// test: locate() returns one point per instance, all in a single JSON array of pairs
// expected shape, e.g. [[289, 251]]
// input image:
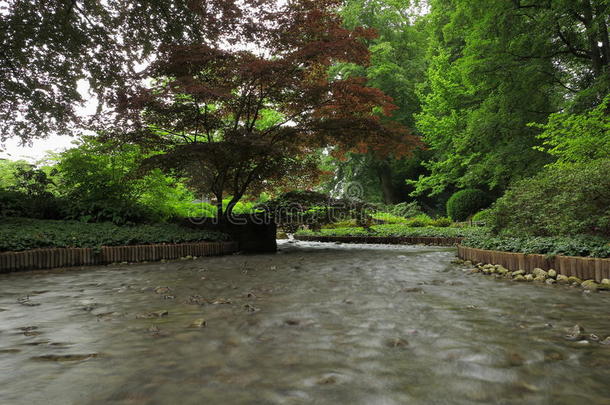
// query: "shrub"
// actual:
[[407, 210], [569, 199], [419, 220], [442, 222], [482, 216], [581, 245], [466, 202], [398, 230], [24, 233]]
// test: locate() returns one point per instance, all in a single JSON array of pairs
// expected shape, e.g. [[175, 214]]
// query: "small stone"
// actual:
[[575, 333], [552, 273], [593, 337], [574, 280], [518, 273], [162, 290], [292, 322], [529, 277], [515, 360], [198, 323], [518, 277], [222, 301], [582, 342], [327, 380], [590, 285], [251, 308], [550, 281], [605, 281], [475, 270], [539, 279], [606, 341], [467, 263], [398, 342], [66, 357], [155, 314], [561, 279], [538, 272], [553, 356]]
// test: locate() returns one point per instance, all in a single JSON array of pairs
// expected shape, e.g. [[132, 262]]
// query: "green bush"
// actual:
[[406, 210], [23, 233], [570, 199], [466, 202], [442, 222], [482, 216], [581, 245]]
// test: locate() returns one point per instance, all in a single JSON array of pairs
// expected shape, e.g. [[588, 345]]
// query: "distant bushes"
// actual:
[[570, 199], [397, 230], [467, 202]]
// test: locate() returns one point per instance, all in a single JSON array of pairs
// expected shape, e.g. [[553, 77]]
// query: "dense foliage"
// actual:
[[555, 245], [51, 49], [465, 203], [567, 200], [21, 234]]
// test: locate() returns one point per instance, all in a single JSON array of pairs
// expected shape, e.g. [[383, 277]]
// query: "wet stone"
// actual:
[[66, 357], [575, 333], [198, 323], [154, 314], [397, 342]]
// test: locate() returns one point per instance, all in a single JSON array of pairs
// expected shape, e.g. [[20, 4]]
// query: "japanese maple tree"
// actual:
[[247, 113]]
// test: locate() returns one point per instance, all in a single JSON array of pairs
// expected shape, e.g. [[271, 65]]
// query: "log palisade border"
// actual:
[[585, 268], [39, 259], [392, 240]]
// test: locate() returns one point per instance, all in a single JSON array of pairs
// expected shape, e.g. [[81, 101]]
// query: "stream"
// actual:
[[314, 324]]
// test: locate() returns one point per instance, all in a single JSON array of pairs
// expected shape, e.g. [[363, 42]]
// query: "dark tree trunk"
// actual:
[[384, 172]]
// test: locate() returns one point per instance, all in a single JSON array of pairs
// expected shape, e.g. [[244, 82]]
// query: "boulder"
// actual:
[[518, 277], [590, 285], [561, 279], [538, 272], [539, 279], [574, 280], [552, 273], [529, 277], [550, 281], [518, 273]]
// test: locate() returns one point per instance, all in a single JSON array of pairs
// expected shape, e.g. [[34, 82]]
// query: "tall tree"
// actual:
[[246, 118], [397, 66], [47, 46]]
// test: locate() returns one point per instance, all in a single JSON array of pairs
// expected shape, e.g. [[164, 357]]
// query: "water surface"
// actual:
[[316, 323]]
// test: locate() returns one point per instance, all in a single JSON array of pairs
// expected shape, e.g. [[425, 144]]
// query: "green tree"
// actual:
[[397, 66], [577, 137], [494, 70]]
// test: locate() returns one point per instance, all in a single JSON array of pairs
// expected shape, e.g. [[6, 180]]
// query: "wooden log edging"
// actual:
[[585, 268], [390, 240], [38, 259]]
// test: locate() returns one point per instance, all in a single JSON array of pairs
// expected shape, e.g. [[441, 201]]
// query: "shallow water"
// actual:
[[316, 323]]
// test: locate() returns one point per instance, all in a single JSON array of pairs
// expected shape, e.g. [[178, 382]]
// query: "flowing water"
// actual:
[[316, 323]]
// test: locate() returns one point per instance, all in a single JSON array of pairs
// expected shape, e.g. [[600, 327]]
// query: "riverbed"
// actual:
[[315, 323]]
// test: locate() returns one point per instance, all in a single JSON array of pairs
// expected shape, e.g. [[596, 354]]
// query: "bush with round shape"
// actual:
[[564, 200], [466, 202]]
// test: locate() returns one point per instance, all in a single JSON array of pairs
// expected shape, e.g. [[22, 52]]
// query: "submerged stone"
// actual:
[[575, 333]]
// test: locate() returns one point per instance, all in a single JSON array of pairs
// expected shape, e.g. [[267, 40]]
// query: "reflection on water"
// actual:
[[316, 323]]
